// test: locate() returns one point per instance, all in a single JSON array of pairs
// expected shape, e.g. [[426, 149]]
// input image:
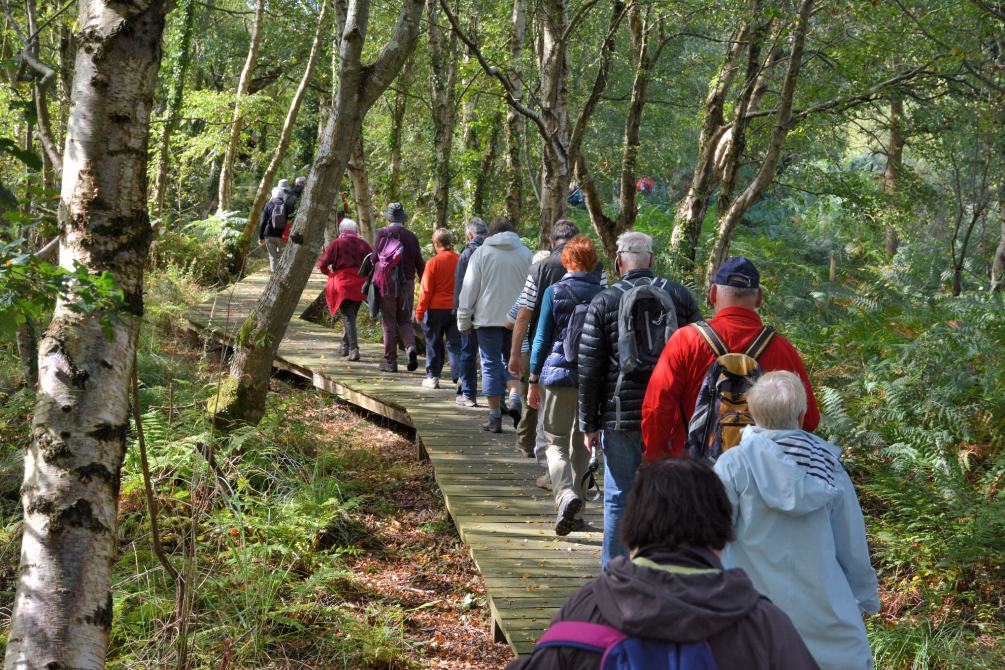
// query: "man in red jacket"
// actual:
[[674, 385]]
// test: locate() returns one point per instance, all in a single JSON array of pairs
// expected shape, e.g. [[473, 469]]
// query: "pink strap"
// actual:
[[582, 633]]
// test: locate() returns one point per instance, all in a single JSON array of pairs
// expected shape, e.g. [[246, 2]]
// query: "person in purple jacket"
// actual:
[[396, 310]]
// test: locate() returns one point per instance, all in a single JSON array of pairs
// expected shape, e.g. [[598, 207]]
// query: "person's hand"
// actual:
[[515, 366], [591, 440], [261, 242], [534, 396]]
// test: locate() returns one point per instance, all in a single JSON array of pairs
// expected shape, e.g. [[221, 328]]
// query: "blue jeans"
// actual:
[[440, 324], [469, 365], [493, 345], [622, 458]]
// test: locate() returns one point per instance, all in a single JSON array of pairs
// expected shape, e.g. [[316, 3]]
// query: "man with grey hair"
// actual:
[[271, 227], [475, 231], [610, 412], [800, 535], [675, 383]]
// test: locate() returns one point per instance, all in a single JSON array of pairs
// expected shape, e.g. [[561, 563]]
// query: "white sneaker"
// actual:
[[431, 383]]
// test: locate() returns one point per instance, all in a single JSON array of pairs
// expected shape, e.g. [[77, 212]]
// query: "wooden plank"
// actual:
[[488, 487]]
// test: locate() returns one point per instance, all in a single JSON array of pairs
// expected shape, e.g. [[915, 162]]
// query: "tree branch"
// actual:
[[394, 54]]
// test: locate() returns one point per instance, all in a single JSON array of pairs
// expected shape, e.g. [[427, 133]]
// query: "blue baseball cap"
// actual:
[[738, 271]]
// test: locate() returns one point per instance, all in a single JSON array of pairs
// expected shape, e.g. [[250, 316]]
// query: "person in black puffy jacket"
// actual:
[[619, 437]]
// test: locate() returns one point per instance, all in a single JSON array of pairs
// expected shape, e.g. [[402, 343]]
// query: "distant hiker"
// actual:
[[398, 259], [540, 276], [492, 283], [435, 310], [673, 596], [800, 535], [271, 227], [610, 398], [554, 380], [672, 396], [475, 232], [344, 292]]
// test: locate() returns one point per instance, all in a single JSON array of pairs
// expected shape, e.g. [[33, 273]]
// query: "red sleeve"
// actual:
[[328, 258], [781, 355], [425, 291], [663, 431]]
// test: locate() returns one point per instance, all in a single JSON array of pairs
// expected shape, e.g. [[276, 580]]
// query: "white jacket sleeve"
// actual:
[[469, 292], [851, 546]]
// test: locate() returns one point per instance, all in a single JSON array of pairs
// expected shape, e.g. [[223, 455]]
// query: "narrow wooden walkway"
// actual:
[[506, 522]]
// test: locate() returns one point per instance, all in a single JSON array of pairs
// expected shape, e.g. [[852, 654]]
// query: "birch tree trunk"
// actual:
[[894, 165], [359, 86], [552, 61], [285, 135], [173, 108], [361, 191], [783, 123], [443, 57], [234, 139], [514, 176], [63, 607]]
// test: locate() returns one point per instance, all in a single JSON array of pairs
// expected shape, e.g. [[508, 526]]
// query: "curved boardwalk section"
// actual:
[[506, 522]]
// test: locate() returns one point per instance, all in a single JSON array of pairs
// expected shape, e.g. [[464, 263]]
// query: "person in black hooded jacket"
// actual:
[[674, 588]]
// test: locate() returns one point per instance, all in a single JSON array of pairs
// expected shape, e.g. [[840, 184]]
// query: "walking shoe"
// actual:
[[385, 366], [431, 383], [520, 449], [354, 354], [465, 401], [566, 520], [344, 349], [544, 482], [413, 360], [515, 412], [493, 425]]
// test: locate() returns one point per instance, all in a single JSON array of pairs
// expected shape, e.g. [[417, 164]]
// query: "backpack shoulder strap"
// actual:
[[593, 637], [712, 338], [760, 343]]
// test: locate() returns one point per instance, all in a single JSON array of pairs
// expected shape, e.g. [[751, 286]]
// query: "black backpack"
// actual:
[[277, 222], [647, 317]]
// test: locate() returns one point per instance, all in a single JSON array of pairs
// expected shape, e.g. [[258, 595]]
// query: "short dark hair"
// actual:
[[676, 502], [501, 225], [563, 230]]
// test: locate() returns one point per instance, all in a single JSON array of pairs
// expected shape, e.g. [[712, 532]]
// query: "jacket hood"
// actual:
[[680, 595], [506, 240], [783, 485]]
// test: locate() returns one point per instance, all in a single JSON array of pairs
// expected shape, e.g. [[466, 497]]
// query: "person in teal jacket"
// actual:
[[800, 535]]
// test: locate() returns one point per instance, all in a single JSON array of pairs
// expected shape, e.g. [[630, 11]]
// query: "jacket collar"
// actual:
[[348, 233], [588, 277], [739, 314], [638, 272]]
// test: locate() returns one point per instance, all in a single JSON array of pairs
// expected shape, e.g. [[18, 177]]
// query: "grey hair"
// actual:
[[347, 224], [563, 230], [778, 401], [476, 226], [276, 192], [640, 246], [737, 292]]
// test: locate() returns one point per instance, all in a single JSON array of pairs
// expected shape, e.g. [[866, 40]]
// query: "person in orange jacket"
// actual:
[[673, 388], [435, 309]]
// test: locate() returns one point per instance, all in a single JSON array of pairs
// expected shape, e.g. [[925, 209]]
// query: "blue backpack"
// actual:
[[619, 651]]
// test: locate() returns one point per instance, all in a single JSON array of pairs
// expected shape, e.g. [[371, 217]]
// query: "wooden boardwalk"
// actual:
[[506, 522]]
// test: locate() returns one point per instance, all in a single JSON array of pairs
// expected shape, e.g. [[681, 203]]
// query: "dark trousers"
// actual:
[[348, 309], [469, 365], [396, 320], [439, 325]]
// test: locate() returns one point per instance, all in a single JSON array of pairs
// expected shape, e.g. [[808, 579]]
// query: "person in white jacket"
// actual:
[[491, 285], [800, 535]]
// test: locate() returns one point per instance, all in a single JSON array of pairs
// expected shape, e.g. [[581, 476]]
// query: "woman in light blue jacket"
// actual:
[[800, 535]]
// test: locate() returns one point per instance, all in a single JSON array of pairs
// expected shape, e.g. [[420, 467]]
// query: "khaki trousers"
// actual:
[[567, 457]]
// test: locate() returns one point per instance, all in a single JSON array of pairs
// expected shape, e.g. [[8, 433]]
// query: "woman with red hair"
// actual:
[[553, 368]]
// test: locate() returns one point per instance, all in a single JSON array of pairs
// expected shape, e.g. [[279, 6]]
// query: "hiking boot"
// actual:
[[431, 383], [354, 354], [386, 366], [344, 350], [515, 412], [493, 425], [413, 360], [566, 520], [465, 401], [529, 453], [544, 482]]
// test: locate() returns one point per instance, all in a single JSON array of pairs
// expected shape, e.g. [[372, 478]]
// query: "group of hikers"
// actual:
[[717, 496], [277, 217]]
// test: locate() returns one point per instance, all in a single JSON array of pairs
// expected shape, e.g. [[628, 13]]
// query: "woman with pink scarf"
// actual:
[[344, 292]]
